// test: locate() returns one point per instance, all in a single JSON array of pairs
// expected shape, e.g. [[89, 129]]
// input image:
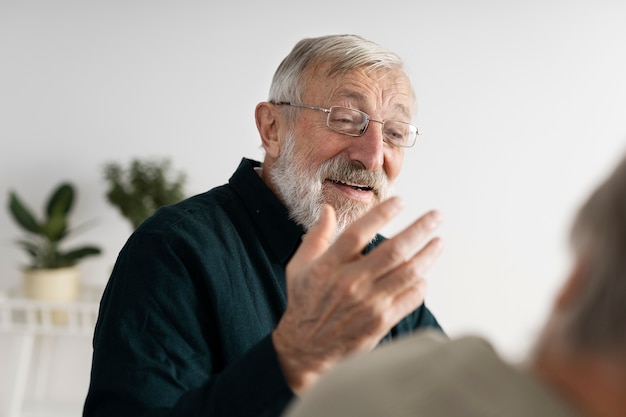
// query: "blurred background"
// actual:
[[522, 106]]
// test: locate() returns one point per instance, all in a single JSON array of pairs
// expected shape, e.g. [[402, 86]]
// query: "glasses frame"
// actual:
[[367, 118]]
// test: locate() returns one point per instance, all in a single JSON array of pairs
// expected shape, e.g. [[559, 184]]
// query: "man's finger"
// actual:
[[406, 285], [316, 240], [412, 271], [402, 247], [356, 237], [426, 257]]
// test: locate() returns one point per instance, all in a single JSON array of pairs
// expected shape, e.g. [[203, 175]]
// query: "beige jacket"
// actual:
[[428, 375]]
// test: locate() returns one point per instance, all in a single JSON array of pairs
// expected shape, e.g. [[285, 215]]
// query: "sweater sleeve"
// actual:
[[158, 349]]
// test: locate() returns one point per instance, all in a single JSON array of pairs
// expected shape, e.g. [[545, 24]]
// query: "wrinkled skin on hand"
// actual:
[[341, 302]]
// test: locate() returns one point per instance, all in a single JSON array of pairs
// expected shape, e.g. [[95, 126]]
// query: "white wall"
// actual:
[[522, 106]]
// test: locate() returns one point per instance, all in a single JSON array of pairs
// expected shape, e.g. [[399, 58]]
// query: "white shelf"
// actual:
[[37, 324], [18, 314], [39, 317]]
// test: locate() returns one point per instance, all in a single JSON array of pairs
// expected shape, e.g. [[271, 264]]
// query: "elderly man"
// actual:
[[578, 367], [232, 301]]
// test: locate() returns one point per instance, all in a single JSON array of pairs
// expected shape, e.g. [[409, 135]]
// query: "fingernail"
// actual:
[[397, 203], [435, 218]]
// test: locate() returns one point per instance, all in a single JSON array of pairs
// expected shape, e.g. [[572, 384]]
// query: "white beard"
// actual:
[[302, 188]]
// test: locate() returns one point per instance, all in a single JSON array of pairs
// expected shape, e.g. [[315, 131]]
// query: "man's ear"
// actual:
[[268, 123], [573, 286]]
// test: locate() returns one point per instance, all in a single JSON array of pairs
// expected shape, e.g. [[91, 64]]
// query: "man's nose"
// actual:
[[368, 149]]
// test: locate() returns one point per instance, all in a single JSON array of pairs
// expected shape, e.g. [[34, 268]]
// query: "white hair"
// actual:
[[340, 54]]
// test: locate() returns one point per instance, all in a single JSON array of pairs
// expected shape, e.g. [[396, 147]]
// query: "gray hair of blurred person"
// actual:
[[597, 323], [342, 53]]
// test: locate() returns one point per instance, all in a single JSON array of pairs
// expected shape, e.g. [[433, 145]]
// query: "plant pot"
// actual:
[[57, 285]]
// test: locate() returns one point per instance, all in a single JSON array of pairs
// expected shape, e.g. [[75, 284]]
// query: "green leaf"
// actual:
[[75, 255], [42, 245], [56, 226], [22, 215], [143, 186], [32, 248], [61, 201]]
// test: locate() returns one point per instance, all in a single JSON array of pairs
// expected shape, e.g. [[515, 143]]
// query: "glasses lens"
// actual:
[[399, 133], [348, 121]]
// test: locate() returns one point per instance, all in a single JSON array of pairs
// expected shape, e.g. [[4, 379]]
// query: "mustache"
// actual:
[[352, 172]]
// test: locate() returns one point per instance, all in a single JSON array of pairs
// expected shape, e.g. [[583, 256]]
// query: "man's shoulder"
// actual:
[[220, 197], [204, 205], [208, 207], [428, 374], [199, 218]]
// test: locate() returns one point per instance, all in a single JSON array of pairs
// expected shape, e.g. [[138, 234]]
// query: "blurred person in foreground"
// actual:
[[233, 301], [577, 368]]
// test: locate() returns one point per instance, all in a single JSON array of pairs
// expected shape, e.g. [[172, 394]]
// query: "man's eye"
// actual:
[[394, 133], [345, 120]]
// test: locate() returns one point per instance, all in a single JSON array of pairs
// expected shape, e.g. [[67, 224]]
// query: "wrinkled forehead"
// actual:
[[360, 85]]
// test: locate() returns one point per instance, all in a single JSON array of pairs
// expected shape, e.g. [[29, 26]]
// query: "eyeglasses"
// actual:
[[354, 122]]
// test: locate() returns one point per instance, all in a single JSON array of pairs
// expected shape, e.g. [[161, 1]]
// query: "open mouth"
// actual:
[[358, 187]]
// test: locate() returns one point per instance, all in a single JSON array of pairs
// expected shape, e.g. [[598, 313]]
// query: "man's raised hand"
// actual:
[[340, 301]]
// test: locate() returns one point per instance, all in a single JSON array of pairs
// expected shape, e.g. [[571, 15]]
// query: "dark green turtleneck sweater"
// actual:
[[185, 320]]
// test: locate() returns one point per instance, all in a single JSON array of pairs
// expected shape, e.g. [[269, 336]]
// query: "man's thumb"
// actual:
[[317, 239]]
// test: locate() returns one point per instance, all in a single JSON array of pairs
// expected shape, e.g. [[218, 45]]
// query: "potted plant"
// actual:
[[139, 189], [52, 273]]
